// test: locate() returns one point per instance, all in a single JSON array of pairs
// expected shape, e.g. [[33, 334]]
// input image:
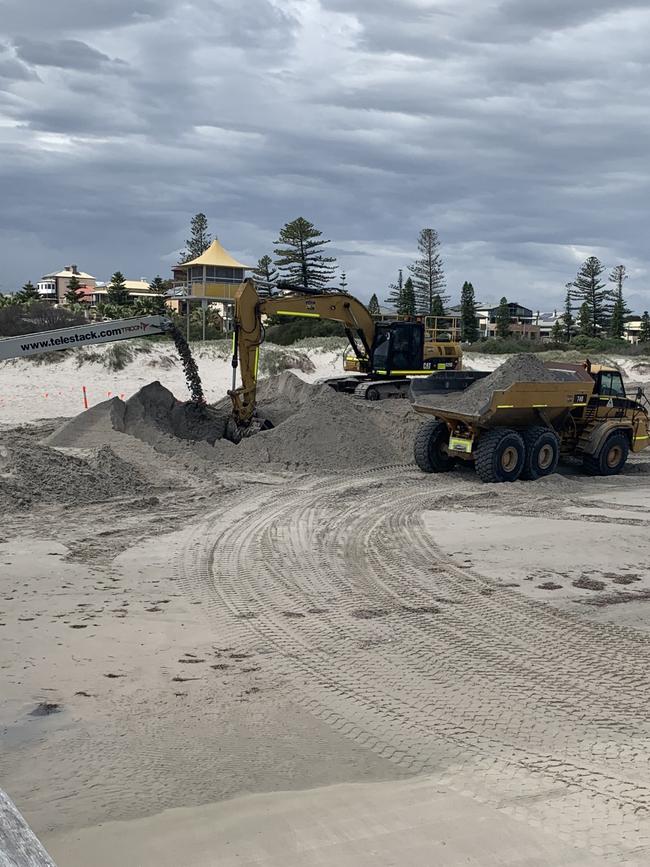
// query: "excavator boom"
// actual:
[[385, 355], [249, 334]]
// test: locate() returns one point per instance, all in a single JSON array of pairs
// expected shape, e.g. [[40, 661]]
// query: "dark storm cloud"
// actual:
[[11, 69], [525, 20], [62, 16], [63, 53], [518, 130], [558, 14], [254, 23]]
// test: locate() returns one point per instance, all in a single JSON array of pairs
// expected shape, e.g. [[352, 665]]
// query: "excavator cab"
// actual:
[[398, 348]]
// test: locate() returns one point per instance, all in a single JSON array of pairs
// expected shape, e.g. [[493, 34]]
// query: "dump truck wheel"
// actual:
[[542, 452], [611, 458], [430, 448], [500, 456]]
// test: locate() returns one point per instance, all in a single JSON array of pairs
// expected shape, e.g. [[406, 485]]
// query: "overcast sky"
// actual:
[[519, 129]]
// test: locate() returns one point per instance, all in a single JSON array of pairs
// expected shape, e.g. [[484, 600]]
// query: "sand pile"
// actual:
[[155, 407], [278, 397], [315, 428], [519, 368], [152, 413], [32, 474], [331, 432]]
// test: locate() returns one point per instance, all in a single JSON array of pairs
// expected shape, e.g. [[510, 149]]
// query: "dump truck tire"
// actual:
[[542, 453], [429, 448], [611, 458], [500, 456]]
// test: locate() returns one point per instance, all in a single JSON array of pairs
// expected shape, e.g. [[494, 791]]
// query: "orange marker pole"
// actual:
[[83, 388]]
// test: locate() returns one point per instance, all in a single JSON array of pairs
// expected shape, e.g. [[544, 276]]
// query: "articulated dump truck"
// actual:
[[521, 431]]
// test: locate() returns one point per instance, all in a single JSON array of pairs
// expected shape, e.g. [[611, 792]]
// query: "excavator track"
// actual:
[[381, 389], [364, 388]]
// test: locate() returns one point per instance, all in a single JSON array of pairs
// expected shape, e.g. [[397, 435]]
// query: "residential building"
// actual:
[[214, 274], [632, 329], [546, 322], [135, 288], [522, 324], [52, 287], [211, 279]]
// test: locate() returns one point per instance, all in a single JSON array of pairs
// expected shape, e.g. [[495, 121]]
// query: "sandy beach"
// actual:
[[210, 658]]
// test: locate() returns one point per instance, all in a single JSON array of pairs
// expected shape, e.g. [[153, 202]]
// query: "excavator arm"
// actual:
[[249, 335]]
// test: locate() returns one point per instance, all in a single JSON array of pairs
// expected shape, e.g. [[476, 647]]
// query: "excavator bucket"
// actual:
[[236, 432]]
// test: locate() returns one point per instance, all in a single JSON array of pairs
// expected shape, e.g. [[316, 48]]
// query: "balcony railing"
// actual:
[[218, 290]]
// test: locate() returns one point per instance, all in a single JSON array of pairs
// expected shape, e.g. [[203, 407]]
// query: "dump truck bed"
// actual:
[[519, 405], [444, 382]]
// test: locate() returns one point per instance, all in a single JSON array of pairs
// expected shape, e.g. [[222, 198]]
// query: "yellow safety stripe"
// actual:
[[540, 405], [505, 406], [233, 343], [642, 438], [407, 372], [293, 313], [257, 361]]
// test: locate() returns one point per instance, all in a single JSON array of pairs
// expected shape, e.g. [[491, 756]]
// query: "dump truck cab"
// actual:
[[609, 382]]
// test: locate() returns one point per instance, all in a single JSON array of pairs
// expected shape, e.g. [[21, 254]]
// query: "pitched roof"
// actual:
[[80, 275], [137, 285], [215, 255]]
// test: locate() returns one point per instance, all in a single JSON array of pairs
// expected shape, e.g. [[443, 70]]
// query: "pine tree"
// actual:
[[74, 294], [644, 333], [617, 322], [428, 274], [343, 282], [503, 319], [588, 288], [557, 331], [299, 251], [568, 321], [373, 306], [159, 286], [117, 294], [620, 309], [28, 294], [266, 275], [394, 299], [437, 308], [199, 239], [585, 319], [468, 318], [407, 305]]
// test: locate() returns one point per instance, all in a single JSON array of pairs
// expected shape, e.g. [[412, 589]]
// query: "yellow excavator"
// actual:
[[385, 354]]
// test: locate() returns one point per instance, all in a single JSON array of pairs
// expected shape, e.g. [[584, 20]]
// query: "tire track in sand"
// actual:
[[428, 664]]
